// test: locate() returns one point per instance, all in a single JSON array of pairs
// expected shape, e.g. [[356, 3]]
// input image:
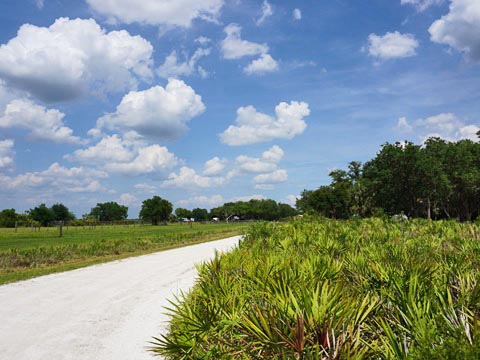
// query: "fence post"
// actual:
[[61, 228], [16, 226]]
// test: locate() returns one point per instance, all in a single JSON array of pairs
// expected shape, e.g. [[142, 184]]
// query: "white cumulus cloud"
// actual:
[[275, 177], [109, 149], [392, 45], [56, 179], [187, 178], [445, 125], [214, 166], [158, 12], [153, 160], [264, 64], [254, 127], [128, 199], [460, 28], [234, 47], [6, 153], [72, 57], [203, 201], [161, 113], [43, 124]]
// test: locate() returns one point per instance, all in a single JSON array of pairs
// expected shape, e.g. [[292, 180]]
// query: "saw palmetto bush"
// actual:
[[325, 289]]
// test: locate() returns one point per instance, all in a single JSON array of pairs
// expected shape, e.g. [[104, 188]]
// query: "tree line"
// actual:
[[154, 210], [436, 180]]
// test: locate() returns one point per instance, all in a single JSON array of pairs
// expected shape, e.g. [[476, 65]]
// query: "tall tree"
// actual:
[[156, 209], [182, 213], [200, 214], [61, 213], [42, 214], [8, 217], [109, 211]]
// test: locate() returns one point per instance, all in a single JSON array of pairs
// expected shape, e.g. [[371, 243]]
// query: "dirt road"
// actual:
[[103, 312]]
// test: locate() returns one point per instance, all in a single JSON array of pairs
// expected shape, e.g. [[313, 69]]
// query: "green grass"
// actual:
[[25, 254], [325, 289]]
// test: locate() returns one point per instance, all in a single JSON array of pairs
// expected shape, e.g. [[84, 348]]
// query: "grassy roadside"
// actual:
[[27, 254]]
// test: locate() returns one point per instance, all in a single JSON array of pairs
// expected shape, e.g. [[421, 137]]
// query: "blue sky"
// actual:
[[207, 101]]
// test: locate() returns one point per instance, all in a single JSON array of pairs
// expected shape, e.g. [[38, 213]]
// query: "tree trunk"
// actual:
[[429, 210]]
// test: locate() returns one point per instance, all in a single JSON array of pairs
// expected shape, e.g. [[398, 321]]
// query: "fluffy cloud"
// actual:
[[297, 14], [292, 199], [109, 149], [187, 178], [128, 155], [56, 179], [128, 199], [264, 64], [151, 160], [266, 12], [234, 47], [71, 57], [446, 126], [158, 112], [144, 187], [275, 177], [214, 166], [460, 28], [265, 164], [203, 201], [62, 61], [254, 127], [249, 165], [155, 12], [172, 68], [42, 123], [392, 45], [274, 154], [265, 167], [421, 5], [6, 153]]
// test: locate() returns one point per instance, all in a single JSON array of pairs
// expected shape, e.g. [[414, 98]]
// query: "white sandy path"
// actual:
[[107, 311]]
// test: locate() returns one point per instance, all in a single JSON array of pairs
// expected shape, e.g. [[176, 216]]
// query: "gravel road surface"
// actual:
[[103, 312]]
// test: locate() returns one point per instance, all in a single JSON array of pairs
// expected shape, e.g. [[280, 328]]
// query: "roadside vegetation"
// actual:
[[28, 252], [436, 180], [317, 288]]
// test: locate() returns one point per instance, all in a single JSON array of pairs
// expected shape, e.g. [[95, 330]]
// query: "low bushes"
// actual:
[[325, 289]]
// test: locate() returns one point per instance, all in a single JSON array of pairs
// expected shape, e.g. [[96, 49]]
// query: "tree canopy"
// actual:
[[265, 209], [156, 210], [61, 213], [109, 211], [438, 179], [42, 214]]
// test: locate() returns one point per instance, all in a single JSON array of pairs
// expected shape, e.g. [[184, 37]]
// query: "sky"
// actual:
[[203, 102]]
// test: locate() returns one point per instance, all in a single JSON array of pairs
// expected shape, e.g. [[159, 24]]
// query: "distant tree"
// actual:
[[42, 214], [8, 217], [61, 213], [109, 211], [182, 213], [286, 210], [200, 214], [156, 209]]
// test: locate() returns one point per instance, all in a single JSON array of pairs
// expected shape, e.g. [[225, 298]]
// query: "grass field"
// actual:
[[325, 289], [26, 253]]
